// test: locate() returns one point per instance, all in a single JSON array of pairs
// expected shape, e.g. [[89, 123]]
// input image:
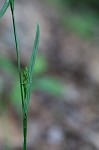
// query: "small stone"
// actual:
[[55, 135]]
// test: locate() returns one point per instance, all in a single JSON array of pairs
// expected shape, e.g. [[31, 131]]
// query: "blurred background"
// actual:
[[64, 107]]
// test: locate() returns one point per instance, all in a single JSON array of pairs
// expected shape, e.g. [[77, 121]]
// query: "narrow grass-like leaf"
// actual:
[[31, 66], [28, 85], [4, 8]]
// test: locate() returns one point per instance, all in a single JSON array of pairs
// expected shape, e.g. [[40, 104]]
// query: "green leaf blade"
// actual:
[[4, 8], [34, 53], [31, 66]]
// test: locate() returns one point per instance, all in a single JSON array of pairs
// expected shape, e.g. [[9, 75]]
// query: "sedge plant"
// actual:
[[27, 74]]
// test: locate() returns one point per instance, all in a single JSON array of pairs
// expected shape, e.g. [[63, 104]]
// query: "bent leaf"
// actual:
[[4, 8]]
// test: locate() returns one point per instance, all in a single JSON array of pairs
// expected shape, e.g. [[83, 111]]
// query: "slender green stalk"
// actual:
[[20, 76], [25, 132], [17, 52]]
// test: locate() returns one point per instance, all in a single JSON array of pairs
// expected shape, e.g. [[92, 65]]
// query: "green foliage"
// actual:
[[40, 65], [79, 16], [7, 65], [39, 69], [25, 91], [40, 82], [83, 25], [15, 97], [4, 8], [50, 85], [79, 3]]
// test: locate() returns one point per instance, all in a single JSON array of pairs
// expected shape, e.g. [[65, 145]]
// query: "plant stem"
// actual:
[[25, 132], [18, 55], [20, 76]]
